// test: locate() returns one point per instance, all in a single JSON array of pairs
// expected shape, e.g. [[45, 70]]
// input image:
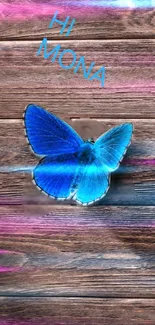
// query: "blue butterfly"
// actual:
[[72, 168]]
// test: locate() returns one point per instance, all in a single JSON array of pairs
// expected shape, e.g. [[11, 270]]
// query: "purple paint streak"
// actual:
[[56, 223], [4, 251], [22, 11], [8, 269], [19, 10], [140, 162]]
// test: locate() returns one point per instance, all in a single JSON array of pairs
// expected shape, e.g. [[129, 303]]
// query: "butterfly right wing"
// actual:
[[47, 134], [93, 184], [111, 146]]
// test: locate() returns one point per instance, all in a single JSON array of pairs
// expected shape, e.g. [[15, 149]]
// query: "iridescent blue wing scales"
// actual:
[[94, 183], [111, 146], [64, 177], [61, 173], [47, 134], [55, 175], [110, 149]]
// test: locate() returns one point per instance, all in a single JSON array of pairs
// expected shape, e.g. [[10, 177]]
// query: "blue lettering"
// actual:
[[62, 23], [82, 62], [43, 45], [96, 76], [73, 61]]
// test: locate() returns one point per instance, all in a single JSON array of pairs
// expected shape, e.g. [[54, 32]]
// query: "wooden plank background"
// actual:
[[73, 311], [129, 82], [30, 19], [61, 263]]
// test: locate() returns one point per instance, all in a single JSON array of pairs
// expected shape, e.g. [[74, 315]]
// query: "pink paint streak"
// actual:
[[140, 162], [22, 11], [56, 223], [8, 269], [4, 251], [19, 10]]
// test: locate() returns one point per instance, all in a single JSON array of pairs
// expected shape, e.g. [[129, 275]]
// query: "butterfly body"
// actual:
[[86, 153], [72, 168]]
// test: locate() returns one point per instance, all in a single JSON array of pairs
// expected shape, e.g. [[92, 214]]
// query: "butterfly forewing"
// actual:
[[47, 134], [112, 146]]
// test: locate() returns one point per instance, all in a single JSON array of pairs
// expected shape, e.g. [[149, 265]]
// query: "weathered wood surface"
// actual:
[[129, 90], [132, 184], [73, 311], [15, 149], [30, 20], [73, 251], [103, 253]]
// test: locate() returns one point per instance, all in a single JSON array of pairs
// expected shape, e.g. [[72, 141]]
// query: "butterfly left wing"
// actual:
[[48, 135], [55, 175], [111, 146]]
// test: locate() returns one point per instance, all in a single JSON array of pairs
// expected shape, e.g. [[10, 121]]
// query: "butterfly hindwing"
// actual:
[[94, 183], [112, 146], [47, 134], [63, 177], [55, 175]]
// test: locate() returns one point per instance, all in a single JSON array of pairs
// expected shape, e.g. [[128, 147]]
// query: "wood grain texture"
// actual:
[[129, 83], [73, 311], [65, 264], [132, 184], [30, 20], [72, 251]]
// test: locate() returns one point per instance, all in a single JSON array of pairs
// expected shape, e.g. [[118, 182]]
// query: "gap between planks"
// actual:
[[74, 118], [11, 39], [72, 41], [79, 297]]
